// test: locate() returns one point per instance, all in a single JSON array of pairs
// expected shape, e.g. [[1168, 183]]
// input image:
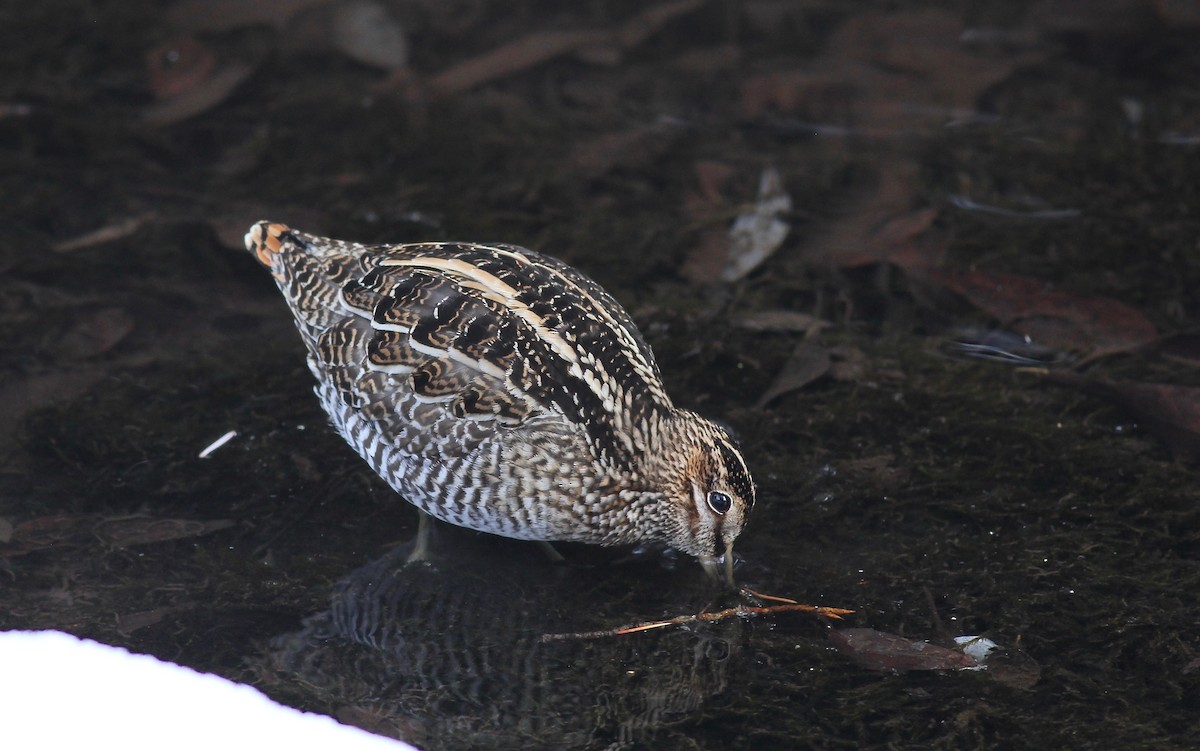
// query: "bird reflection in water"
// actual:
[[451, 655]]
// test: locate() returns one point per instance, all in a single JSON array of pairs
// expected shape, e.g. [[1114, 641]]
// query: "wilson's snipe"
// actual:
[[499, 389]]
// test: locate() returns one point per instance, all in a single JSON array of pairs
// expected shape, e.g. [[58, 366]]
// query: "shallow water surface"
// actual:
[[964, 379]]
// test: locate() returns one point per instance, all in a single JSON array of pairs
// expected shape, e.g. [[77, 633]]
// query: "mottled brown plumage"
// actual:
[[499, 389]]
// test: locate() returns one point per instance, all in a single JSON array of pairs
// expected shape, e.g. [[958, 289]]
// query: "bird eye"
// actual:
[[719, 502]]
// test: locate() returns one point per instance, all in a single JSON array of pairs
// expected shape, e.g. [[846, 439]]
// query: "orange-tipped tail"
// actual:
[[263, 240]]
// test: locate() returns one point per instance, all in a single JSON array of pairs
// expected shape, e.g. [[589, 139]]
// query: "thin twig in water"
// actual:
[[741, 611]]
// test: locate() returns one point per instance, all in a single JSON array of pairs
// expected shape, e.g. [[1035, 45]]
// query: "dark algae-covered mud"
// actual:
[[934, 264]]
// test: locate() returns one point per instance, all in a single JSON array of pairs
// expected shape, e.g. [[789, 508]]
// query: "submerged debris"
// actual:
[[878, 650], [742, 610], [208, 450], [1170, 412], [1096, 326], [78, 529], [756, 234]]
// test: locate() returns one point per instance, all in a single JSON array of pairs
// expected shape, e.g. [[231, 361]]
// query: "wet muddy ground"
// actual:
[[955, 330]]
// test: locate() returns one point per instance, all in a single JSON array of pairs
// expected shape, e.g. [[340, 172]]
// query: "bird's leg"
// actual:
[[420, 551], [551, 553]]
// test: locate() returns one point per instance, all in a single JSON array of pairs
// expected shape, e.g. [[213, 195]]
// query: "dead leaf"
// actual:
[[542, 46], [6, 530], [1014, 669], [1170, 412], [708, 60], [199, 99], [916, 65], [879, 469], [877, 650], [711, 177], [64, 529], [728, 255], [1090, 16], [365, 31], [506, 60], [94, 333], [884, 74], [128, 623], [706, 261], [223, 15], [626, 149], [178, 66], [45, 532], [817, 96], [758, 233], [1177, 12], [881, 226], [15, 109], [807, 363], [1054, 318], [849, 364], [140, 530]]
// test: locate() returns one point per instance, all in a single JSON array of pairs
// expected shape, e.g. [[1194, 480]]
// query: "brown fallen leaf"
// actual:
[[1091, 16], [140, 530], [178, 66], [66, 529], [706, 61], [849, 363], [707, 259], [508, 59], [543, 46], [884, 225], [711, 177], [885, 74], [625, 149], [198, 99], [727, 253], [877, 650], [45, 532], [705, 206], [807, 363], [15, 109], [1014, 669], [223, 15], [1177, 12], [1097, 326], [95, 332], [128, 623], [880, 469], [1170, 412]]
